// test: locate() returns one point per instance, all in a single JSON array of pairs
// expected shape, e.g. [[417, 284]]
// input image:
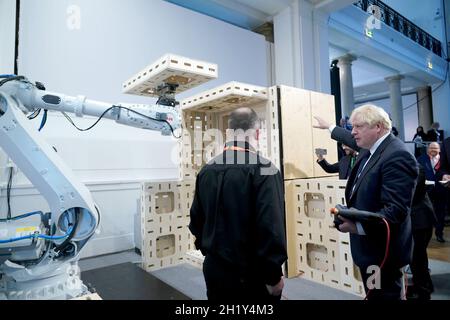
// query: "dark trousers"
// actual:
[[438, 196], [225, 283], [423, 285], [390, 284]]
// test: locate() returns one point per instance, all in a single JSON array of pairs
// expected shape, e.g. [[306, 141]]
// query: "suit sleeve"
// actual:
[[344, 136], [330, 168], [399, 176], [445, 165], [270, 226], [197, 217]]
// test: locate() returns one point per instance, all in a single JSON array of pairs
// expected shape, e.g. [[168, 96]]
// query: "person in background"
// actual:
[[419, 138], [422, 219], [343, 166], [433, 134], [443, 174], [437, 193]]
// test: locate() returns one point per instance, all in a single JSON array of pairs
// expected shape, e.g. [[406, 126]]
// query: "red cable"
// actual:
[[386, 253]]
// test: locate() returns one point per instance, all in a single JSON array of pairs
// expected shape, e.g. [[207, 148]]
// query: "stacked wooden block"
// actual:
[[164, 223], [195, 258], [317, 250], [205, 121]]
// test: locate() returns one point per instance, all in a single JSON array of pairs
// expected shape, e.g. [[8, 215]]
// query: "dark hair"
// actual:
[[243, 118], [417, 130]]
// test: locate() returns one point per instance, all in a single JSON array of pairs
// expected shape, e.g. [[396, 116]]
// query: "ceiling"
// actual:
[[368, 74]]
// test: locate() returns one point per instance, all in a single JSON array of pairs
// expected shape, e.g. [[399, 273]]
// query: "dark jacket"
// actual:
[[445, 160], [238, 213], [425, 161], [432, 135], [385, 186], [342, 166], [422, 212]]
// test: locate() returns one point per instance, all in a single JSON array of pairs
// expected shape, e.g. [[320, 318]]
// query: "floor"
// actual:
[[189, 280], [440, 251]]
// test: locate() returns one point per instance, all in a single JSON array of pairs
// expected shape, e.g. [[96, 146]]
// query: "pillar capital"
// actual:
[[347, 59], [395, 78]]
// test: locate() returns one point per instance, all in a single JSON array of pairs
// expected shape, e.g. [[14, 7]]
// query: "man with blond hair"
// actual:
[[382, 181]]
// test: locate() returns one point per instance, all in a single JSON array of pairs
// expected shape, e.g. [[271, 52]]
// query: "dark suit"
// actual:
[[343, 166], [385, 186], [435, 135], [437, 193], [445, 159], [422, 218]]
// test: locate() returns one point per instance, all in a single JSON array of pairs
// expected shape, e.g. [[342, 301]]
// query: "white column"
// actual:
[[396, 104], [345, 75], [301, 47], [7, 36], [424, 107]]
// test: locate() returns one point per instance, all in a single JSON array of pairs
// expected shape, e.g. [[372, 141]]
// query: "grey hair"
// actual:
[[243, 119]]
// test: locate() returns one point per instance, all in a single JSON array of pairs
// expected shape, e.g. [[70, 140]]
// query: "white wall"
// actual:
[[115, 40], [7, 35]]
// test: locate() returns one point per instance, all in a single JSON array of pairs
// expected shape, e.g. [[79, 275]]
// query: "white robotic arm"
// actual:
[[46, 249]]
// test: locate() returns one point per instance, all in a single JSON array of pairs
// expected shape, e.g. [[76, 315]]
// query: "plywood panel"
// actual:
[[322, 105], [296, 133]]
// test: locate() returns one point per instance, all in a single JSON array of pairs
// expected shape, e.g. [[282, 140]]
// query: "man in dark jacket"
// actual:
[[382, 181], [237, 218], [343, 166], [423, 219], [431, 163]]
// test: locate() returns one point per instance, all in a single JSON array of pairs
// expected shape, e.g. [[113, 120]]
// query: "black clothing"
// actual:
[[237, 218], [422, 218], [343, 166], [224, 282], [435, 135], [385, 186]]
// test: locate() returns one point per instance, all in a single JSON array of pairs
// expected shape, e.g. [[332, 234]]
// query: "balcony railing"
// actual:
[[395, 20]]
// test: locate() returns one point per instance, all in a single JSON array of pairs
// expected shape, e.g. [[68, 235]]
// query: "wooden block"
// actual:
[[195, 258], [170, 68], [322, 105], [227, 97], [296, 133], [316, 250], [92, 296], [164, 221], [299, 139], [205, 122]]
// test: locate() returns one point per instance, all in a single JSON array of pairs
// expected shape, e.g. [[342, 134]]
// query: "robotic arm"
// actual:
[[44, 250]]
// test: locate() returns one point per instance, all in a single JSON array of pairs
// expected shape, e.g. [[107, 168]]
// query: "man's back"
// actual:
[[237, 214]]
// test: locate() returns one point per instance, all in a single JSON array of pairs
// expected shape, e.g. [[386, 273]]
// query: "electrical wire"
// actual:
[[72, 232], [34, 115], [44, 120], [8, 192], [11, 78], [38, 235], [386, 253], [433, 90], [118, 107], [26, 215]]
